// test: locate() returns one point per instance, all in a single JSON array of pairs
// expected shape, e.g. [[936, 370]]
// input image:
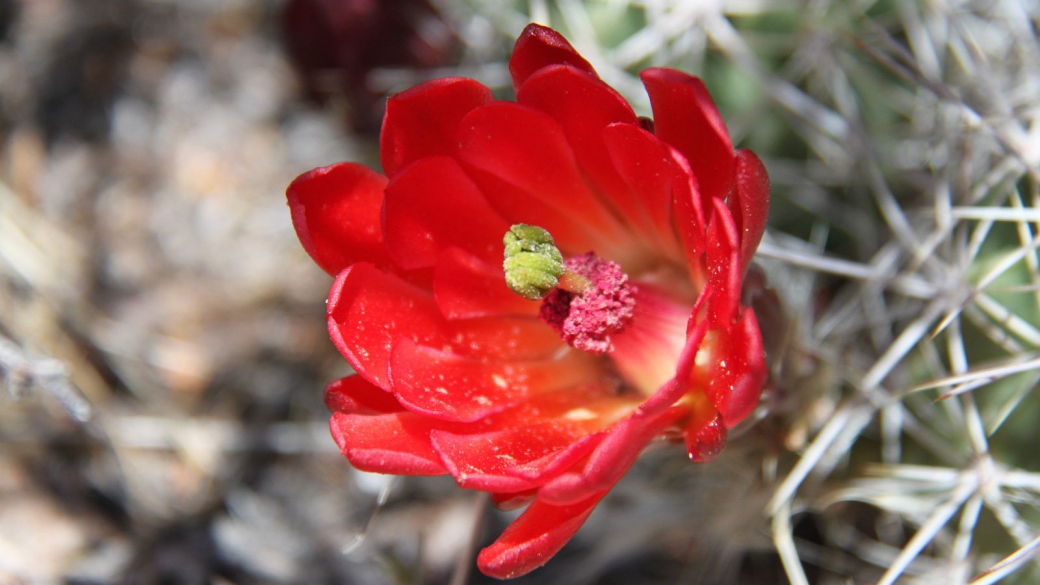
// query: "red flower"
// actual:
[[350, 38], [456, 373]]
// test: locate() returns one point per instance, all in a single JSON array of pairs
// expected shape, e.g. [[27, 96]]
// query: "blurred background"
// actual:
[[162, 341]]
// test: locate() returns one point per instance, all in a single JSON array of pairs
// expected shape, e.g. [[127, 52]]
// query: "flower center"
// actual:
[[585, 299], [587, 319]]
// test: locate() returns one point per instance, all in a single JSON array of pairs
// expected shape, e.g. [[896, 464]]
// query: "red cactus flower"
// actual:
[[640, 333], [350, 38]]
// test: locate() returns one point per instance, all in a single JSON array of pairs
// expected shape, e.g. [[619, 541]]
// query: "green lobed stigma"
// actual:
[[533, 264]]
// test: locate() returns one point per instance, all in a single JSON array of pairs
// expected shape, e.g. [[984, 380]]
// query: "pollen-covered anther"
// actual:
[[586, 320]]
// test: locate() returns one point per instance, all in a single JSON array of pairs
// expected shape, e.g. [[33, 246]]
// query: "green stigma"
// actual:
[[533, 264]]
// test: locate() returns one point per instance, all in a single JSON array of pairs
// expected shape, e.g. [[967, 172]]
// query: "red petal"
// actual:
[[739, 371], [505, 338], [356, 395], [450, 387], [750, 203], [466, 287], [533, 538], [368, 310], [424, 120], [645, 166], [556, 463], [724, 269], [686, 117], [512, 501], [432, 205], [583, 106], [611, 459], [335, 211], [647, 351], [539, 46], [397, 443], [524, 165], [688, 212], [514, 459], [670, 393], [705, 440]]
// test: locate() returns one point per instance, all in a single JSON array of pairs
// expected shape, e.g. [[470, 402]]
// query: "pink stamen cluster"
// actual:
[[587, 319]]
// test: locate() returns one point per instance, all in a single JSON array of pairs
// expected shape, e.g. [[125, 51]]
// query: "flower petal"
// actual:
[[670, 392], [705, 439], [513, 459], [724, 268], [431, 205], [335, 211], [467, 287], [355, 395], [583, 106], [505, 338], [369, 309], [521, 447], [750, 203], [647, 351], [507, 501], [611, 459], [644, 164], [553, 464], [423, 121], [739, 371], [533, 538], [451, 387], [686, 117], [539, 46], [396, 443], [689, 216], [521, 159]]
